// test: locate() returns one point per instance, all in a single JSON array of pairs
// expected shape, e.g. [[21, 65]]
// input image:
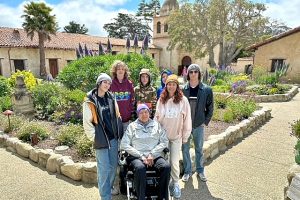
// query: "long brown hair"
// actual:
[[164, 97], [117, 64]]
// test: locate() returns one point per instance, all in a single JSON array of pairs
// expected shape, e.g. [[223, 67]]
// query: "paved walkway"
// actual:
[[255, 168]]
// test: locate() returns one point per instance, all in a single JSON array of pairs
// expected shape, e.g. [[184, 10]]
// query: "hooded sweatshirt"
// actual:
[[160, 89], [175, 118], [125, 97]]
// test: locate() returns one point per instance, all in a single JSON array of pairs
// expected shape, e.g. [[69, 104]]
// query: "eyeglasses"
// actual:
[[191, 72]]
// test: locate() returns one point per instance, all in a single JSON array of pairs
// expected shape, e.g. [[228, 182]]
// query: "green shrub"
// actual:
[[46, 98], [228, 116], [296, 129], [29, 79], [69, 134], [242, 108], [5, 103], [32, 127], [259, 73], [16, 121], [221, 88], [220, 82], [70, 108], [5, 89], [85, 147], [220, 101], [82, 74]]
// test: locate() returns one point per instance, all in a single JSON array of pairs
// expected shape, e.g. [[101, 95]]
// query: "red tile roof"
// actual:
[[16, 37], [274, 38]]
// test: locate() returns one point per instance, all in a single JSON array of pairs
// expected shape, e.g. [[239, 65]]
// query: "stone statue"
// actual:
[[22, 100]]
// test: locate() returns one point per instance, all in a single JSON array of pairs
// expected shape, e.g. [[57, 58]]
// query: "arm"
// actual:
[[187, 121], [126, 143], [87, 117], [209, 106], [162, 144]]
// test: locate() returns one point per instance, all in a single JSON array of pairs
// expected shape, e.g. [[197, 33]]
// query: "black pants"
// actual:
[[163, 169]]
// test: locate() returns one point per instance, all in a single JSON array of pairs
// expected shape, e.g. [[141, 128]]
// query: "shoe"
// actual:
[[185, 177], [176, 191], [114, 191], [202, 177]]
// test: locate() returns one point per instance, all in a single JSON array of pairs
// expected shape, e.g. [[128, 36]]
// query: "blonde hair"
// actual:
[[114, 67]]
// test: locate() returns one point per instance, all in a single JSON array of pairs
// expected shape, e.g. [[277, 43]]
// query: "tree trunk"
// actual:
[[221, 53], [43, 72], [211, 58]]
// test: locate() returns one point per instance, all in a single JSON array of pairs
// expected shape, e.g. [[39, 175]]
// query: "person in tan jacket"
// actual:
[[174, 114]]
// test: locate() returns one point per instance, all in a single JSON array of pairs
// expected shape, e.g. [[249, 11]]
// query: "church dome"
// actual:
[[168, 6]]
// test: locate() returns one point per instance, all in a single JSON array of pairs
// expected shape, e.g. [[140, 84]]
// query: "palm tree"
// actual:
[[38, 19]]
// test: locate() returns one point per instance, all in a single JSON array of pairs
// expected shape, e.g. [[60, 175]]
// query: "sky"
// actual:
[[95, 13]]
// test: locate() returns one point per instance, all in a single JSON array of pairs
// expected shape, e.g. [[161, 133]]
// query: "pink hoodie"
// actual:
[[175, 118]]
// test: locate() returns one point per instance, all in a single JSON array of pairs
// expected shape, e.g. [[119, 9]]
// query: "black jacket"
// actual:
[[205, 104]]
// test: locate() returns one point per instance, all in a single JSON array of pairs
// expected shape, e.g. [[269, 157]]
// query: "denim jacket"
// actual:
[[205, 104]]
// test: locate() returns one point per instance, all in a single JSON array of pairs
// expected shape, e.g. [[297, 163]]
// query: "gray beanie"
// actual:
[[103, 77], [194, 67]]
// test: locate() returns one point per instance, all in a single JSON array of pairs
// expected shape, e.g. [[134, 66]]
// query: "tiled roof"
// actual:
[[16, 37], [276, 37]]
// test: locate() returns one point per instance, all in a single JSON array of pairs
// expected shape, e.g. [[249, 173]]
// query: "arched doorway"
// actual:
[[186, 61]]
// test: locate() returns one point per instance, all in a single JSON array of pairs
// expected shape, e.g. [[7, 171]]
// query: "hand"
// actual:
[[150, 159]]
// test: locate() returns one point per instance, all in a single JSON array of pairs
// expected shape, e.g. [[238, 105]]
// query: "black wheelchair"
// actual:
[[126, 176]]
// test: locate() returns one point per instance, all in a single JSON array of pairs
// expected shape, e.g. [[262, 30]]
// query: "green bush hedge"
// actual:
[[5, 88], [32, 127], [82, 74], [68, 135]]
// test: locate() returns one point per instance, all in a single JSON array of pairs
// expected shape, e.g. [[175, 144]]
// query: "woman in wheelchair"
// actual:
[[144, 141]]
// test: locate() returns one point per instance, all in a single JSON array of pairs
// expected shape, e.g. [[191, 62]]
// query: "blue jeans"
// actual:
[[107, 162], [198, 137]]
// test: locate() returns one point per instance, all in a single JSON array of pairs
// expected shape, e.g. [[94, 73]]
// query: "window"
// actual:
[[153, 55], [276, 63], [69, 61], [19, 65], [158, 27], [166, 28], [114, 53]]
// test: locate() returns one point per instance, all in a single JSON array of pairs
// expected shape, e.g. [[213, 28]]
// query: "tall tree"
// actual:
[[37, 19], [199, 27], [124, 25], [73, 27], [147, 10]]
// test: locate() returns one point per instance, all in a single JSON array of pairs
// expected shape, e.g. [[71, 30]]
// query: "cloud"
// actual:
[[284, 11], [91, 13]]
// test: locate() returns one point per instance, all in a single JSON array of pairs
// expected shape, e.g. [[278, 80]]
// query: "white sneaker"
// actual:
[[185, 177], [176, 191], [114, 191], [202, 177]]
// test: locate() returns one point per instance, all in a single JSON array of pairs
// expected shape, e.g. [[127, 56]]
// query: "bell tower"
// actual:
[[161, 37]]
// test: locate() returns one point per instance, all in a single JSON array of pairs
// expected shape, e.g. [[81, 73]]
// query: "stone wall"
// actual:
[[87, 172]]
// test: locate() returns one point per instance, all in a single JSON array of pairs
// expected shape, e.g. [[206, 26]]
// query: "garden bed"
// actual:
[[214, 128]]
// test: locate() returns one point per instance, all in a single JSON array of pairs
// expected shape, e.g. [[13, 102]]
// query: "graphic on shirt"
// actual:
[[172, 112], [122, 96]]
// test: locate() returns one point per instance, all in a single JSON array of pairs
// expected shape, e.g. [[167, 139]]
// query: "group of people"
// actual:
[[165, 118]]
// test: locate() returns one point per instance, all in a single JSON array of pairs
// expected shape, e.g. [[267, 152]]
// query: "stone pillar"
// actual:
[[22, 100]]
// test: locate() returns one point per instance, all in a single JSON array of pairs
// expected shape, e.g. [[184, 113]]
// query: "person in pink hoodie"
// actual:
[[173, 112], [123, 90]]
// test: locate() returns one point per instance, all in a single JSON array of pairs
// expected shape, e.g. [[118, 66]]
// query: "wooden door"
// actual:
[[53, 67]]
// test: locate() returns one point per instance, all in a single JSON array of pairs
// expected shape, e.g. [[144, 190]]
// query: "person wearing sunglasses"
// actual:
[[200, 97]]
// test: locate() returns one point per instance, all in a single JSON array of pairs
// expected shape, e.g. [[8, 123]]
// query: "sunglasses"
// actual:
[[191, 72]]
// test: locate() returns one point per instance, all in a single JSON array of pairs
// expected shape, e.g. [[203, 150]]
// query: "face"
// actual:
[[164, 77], [171, 88], [194, 74], [144, 115], [104, 86], [120, 71], [144, 79]]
